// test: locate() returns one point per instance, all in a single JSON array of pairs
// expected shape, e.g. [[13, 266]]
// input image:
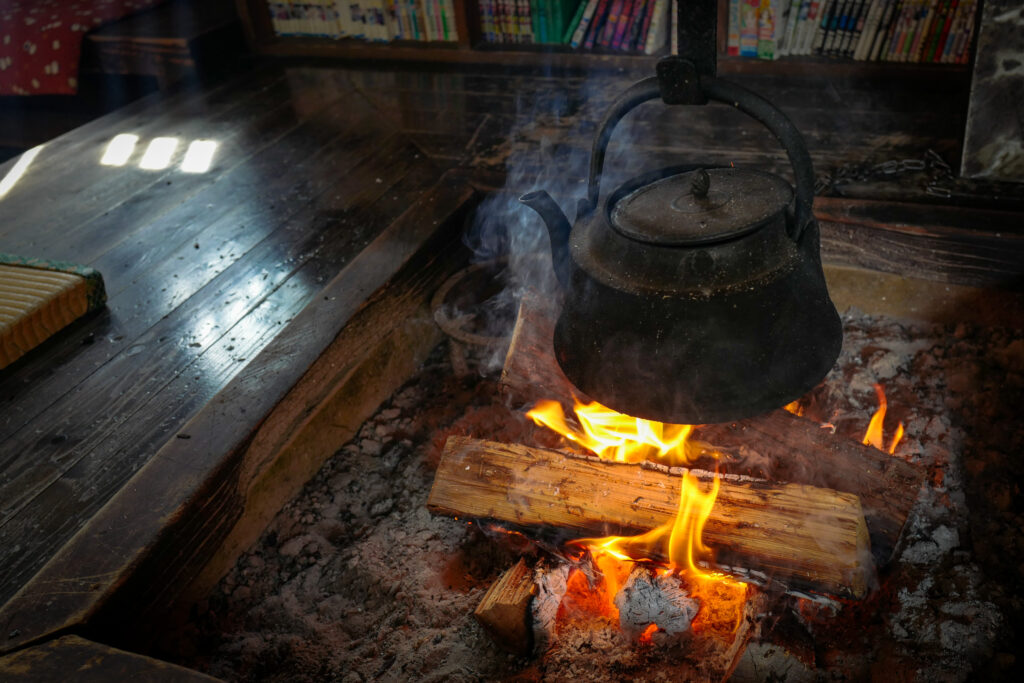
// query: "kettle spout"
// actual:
[[558, 231]]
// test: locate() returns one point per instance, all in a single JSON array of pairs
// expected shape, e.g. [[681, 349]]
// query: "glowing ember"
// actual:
[[614, 436], [795, 408], [873, 436]]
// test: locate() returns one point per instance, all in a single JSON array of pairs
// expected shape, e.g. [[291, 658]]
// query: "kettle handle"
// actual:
[[719, 90]]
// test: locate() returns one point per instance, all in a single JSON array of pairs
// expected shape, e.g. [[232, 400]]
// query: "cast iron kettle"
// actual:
[[694, 295]]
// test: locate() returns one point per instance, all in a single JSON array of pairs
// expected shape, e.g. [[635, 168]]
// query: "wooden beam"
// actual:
[[798, 450], [804, 537]]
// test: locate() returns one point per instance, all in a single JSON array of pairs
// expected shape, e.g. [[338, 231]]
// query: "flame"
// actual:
[[613, 436], [874, 436], [795, 408]]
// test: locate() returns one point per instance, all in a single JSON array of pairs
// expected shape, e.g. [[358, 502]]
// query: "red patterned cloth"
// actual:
[[40, 41]]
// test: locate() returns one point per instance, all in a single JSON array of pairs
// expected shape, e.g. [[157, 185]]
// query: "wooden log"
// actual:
[[505, 609], [795, 449], [804, 537]]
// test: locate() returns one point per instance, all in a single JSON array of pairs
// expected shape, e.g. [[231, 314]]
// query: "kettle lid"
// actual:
[[700, 207]]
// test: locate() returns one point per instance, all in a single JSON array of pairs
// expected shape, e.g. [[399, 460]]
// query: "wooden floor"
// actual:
[[313, 161]]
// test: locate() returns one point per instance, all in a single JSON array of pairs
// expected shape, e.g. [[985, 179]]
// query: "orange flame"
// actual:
[[613, 436], [874, 436], [795, 408]]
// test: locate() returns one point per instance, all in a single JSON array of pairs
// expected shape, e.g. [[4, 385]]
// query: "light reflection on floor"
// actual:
[[160, 153], [18, 170]]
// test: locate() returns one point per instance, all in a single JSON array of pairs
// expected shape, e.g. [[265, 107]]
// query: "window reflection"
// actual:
[[158, 154], [18, 170], [199, 156], [119, 150]]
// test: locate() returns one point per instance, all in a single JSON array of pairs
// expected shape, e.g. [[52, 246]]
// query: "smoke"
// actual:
[[547, 148]]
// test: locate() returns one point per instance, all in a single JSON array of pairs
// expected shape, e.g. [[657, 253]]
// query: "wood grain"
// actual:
[[795, 449], [805, 537]]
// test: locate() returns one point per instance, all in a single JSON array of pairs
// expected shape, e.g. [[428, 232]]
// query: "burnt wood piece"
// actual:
[[804, 538], [799, 450], [83, 661], [205, 495], [504, 611]]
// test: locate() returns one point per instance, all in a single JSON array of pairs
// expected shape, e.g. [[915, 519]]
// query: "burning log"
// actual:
[[504, 610], [798, 449], [804, 537]]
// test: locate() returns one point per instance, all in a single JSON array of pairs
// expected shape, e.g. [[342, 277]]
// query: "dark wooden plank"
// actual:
[[91, 188], [191, 323], [946, 244], [78, 151], [145, 403], [83, 661], [148, 275], [403, 265], [168, 99], [65, 236]]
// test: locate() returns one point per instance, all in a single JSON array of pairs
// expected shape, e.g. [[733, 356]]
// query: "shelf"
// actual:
[[559, 58], [470, 50]]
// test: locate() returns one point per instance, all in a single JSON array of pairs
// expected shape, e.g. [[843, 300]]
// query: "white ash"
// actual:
[[646, 599], [354, 580], [551, 587]]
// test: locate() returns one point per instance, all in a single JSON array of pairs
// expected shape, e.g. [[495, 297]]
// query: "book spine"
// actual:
[[896, 31], [885, 20], [581, 29], [950, 32], [748, 27], [597, 25], [853, 28], [615, 8], [941, 12], [877, 26], [825, 12], [766, 30], [932, 8], [645, 28], [836, 27], [946, 28], [570, 30], [884, 27], [789, 31], [862, 36], [913, 22], [963, 49], [833, 26], [636, 25], [658, 28], [803, 25], [913, 26], [620, 27], [732, 41]]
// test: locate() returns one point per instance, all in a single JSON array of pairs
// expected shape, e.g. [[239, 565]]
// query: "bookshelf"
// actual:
[[470, 48]]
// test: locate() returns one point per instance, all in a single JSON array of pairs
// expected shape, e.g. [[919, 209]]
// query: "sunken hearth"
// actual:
[[356, 579]]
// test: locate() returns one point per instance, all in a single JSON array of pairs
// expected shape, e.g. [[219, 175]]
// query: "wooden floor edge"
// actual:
[[66, 655], [94, 566]]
